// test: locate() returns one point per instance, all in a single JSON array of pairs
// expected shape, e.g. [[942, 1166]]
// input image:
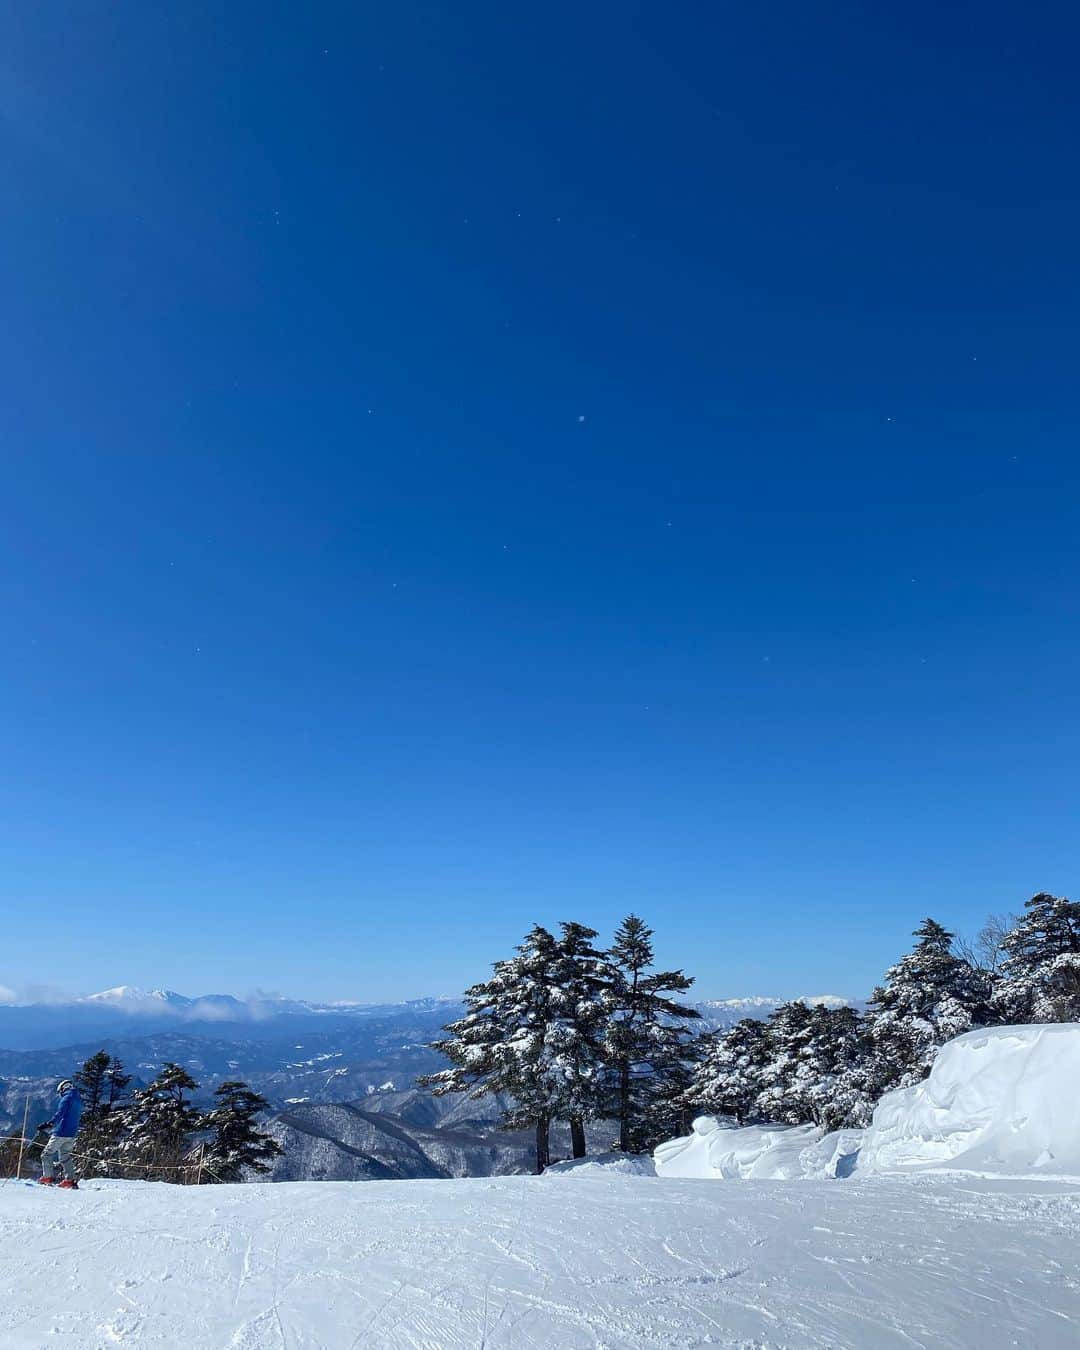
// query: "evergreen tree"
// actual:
[[803, 1064], [580, 987], [729, 1075], [669, 1111], [158, 1124], [92, 1082], [117, 1081], [523, 1036], [646, 1041], [788, 1073], [96, 1133], [102, 1082], [1040, 973], [927, 998], [236, 1143], [838, 1094]]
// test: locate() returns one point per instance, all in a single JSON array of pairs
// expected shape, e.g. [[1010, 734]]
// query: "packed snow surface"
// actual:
[[589, 1258]]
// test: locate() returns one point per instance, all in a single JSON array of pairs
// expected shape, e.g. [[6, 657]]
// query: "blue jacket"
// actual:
[[68, 1114]]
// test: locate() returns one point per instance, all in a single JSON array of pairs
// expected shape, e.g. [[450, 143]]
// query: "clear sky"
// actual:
[[471, 465]]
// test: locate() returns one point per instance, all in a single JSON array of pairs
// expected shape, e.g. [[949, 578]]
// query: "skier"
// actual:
[[63, 1128]]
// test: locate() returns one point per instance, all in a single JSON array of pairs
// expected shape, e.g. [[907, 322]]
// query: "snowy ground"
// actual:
[[594, 1259]]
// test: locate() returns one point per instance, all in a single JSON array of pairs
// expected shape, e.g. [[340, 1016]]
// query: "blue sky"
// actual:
[[470, 466]]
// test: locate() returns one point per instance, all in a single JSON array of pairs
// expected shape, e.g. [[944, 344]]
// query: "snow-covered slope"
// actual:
[[563, 1262], [347, 1143]]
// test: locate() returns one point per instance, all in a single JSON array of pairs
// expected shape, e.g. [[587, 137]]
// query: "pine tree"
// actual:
[[788, 1073], [838, 1091], [92, 1082], [646, 1041], [1040, 973], [580, 986], [158, 1124], [236, 1143], [117, 1081], [804, 1064], [728, 1078], [101, 1081], [533, 1032], [927, 998]]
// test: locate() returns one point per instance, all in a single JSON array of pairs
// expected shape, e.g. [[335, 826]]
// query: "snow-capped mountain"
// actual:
[[132, 999], [721, 1013]]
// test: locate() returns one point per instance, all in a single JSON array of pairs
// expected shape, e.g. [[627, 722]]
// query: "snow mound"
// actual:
[[999, 1102], [604, 1165], [716, 1150], [1002, 1101]]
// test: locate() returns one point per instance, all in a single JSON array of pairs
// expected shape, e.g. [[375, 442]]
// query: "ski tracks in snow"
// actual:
[[552, 1263]]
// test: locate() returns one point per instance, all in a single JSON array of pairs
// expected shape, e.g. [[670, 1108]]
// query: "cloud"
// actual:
[[6, 995]]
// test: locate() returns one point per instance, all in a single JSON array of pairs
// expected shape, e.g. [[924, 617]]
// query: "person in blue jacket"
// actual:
[[63, 1128]]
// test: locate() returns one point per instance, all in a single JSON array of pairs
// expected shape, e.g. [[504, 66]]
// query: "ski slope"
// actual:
[[587, 1258]]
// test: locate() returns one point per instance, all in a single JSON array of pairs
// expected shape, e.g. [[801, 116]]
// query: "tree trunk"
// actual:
[[577, 1136], [543, 1153], [624, 1107]]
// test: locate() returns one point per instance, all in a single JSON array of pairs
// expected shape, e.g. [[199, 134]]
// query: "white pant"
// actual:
[[58, 1150]]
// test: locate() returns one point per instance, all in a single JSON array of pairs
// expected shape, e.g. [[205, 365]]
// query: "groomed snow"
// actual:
[[586, 1259]]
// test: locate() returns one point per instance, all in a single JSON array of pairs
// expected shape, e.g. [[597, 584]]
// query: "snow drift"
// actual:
[[1004, 1101], [720, 1151]]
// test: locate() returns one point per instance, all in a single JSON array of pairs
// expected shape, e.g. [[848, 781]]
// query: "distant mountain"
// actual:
[[119, 1011], [340, 1078], [410, 1135], [721, 1013]]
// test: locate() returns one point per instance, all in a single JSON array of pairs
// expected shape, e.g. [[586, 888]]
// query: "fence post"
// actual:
[[22, 1137], [202, 1150]]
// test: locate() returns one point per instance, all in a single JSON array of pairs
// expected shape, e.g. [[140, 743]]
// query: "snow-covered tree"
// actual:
[[728, 1077], [532, 1032], [646, 1040], [927, 998], [102, 1082], [236, 1144], [789, 1071], [575, 1038], [1039, 977], [158, 1125], [838, 1093]]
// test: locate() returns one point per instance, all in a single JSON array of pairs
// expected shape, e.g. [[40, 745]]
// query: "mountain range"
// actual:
[[339, 1077]]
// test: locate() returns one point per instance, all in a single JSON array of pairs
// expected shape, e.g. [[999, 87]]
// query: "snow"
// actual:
[[604, 1164], [583, 1259], [715, 1150], [1005, 1101], [131, 995], [756, 1003]]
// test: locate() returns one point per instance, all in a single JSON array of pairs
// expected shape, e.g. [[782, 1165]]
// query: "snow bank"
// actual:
[[718, 1151], [1001, 1101], [604, 1165]]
